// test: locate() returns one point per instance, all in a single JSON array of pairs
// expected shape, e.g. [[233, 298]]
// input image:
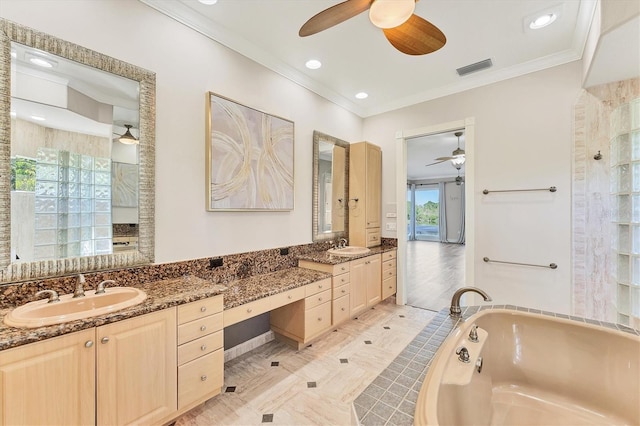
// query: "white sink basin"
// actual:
[[349, 251], [41, 313]]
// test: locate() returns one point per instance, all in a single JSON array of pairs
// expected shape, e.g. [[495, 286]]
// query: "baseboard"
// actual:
[[248, 346]]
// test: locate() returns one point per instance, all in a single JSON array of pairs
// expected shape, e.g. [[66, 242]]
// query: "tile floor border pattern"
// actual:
[[391, 398]]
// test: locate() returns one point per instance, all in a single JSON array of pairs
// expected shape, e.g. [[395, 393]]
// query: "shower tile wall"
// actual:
[[600, 115]]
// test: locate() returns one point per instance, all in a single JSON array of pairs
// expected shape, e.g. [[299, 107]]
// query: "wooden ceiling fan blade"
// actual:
[[416, 36], [441, 159], [437, 162], [333, 16]]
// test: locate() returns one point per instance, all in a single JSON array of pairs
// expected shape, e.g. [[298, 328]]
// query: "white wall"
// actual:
[[187, 65], [523, 139]]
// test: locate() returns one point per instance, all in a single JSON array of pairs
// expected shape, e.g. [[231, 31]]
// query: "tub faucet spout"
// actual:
[[455, 310]]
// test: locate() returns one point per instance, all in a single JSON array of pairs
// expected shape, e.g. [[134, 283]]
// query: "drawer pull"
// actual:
[[343, 309], [344, 291], [249, 310], [203, 378], [319, 299], [203, 328], [290, 297], [203, 309], [88, 343], [342, 279], [343, 269], [367, 262], [204, 347], [104, 340], [319, 285], [319, 318], [390, 287]]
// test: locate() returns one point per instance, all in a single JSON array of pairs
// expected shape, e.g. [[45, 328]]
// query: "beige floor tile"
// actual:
[[283, 391]]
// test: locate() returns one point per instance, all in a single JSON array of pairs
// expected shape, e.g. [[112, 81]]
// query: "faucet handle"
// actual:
[[102, 285], [463, 354], [53, 295], [473, 334]]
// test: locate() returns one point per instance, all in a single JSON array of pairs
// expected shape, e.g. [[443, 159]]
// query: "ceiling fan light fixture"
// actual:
[[458, 161], [127, 138], [391, 13]]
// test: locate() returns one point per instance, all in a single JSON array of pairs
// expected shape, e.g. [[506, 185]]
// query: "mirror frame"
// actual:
[[327, 236], [24, 271]]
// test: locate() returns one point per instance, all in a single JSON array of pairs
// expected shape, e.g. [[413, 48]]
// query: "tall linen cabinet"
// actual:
[[365, 188]]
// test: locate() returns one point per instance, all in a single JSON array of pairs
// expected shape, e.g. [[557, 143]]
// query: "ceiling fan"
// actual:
[[406, 31], [457, 156]]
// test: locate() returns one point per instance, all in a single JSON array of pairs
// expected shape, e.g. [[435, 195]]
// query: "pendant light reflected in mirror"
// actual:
[[127, 138]]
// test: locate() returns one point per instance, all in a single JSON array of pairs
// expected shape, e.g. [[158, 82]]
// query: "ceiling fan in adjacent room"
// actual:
[[406, 31], [457, 156]]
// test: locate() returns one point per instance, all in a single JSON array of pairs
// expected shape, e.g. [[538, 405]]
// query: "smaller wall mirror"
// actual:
[[330, 187]]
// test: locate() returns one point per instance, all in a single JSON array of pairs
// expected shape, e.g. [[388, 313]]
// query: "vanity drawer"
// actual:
[[388, 286], [388, 265], [198, 328], [201, 308], [199, 347], [340, 309], [388, 255], [341, 291], [246, 311], [372, 237], [389, 273], [340, 268], [287, 297], [341, 279], [317, 287], [200, 378], [317, 320], [317, 299]]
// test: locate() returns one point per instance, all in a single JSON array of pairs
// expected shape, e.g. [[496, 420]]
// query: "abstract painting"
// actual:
[[250, 158]]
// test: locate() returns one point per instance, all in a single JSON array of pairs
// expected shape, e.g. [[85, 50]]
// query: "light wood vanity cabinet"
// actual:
[[365, 185], [300, 322], [119, 373], [366, 285], [136, 369], [340, 288], [50, 382], [389, 274], [200, 351]]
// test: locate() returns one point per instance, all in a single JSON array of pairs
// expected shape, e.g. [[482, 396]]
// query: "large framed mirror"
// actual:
[[77, 153], [330, 219]]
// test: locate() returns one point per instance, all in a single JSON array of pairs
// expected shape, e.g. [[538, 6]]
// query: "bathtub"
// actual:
[[536, 370]]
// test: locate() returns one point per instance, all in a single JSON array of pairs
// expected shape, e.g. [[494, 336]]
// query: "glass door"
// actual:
[[427, 213]]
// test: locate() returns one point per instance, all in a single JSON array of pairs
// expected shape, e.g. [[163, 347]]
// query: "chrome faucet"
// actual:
[[53, 295], [79, 287], [342, 243], [102, 285], [455, 300]]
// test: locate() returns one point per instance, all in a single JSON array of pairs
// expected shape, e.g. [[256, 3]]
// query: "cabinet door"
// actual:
[[358, 291], [50, 382], [136, 369], [374, 186], [373, 276]]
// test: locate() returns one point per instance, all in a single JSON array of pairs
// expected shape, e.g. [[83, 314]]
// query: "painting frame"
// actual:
[[250, 157]]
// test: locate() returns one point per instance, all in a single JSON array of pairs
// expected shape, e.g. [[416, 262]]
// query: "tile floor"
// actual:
[[275, 384]]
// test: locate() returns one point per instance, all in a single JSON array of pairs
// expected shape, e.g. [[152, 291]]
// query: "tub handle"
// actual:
[[463, 354], [473, 334], [479, 364]]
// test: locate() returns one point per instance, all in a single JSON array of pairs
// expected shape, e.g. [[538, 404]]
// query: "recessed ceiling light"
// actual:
[[313, 64], [208, 2], [41, 62], [37, 118], [542, 21], [362, 95]]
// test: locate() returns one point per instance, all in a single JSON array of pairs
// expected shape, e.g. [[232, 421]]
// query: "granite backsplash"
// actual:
[[234, 267]]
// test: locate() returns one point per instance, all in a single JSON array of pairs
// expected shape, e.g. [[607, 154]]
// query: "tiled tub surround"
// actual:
[[391, 398]]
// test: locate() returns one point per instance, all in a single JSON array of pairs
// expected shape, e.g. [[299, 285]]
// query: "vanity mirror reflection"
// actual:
[[80, 196], [330, 218]]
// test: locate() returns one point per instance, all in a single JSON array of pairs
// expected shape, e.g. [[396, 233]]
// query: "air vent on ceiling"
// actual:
[[474, 67]]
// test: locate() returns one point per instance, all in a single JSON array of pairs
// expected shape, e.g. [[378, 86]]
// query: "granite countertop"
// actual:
[[167, 293], [332, 259]]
